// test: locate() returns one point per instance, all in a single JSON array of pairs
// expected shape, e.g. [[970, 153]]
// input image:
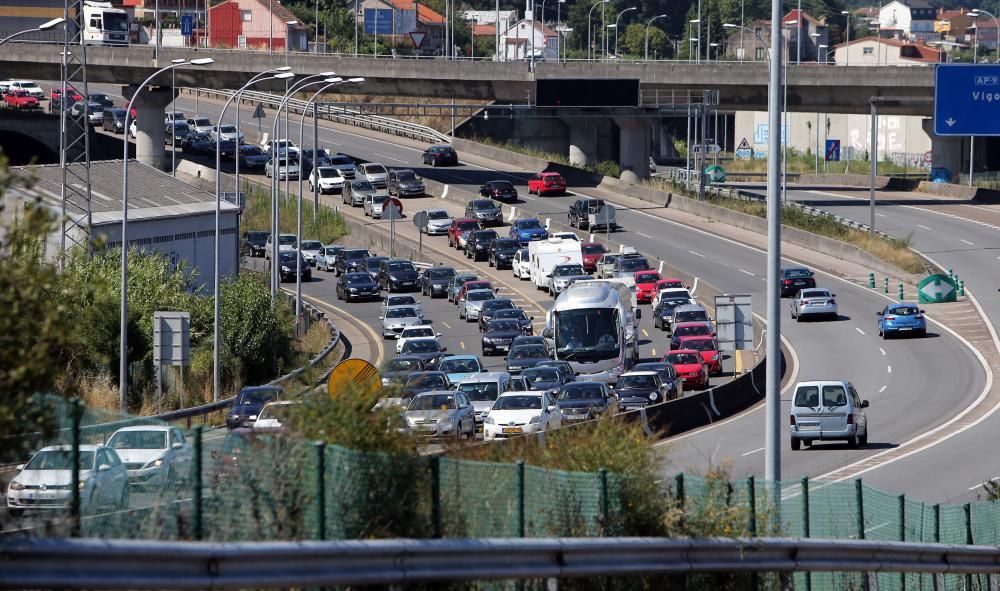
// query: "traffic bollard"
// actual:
[[961, 287], [951, 273], [871, 280], [900, 292], [886, 285]]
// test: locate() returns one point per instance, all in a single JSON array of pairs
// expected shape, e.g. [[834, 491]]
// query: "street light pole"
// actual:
[[697, 49], [559, 39], [617, 20], [847, 47], [659, 16], [42, 27], [590, 39], [772, 418], [123, 328]]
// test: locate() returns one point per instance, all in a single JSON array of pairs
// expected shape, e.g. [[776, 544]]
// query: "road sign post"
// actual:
[[171, 345], [420, 221], [935, 289], [258, 114]]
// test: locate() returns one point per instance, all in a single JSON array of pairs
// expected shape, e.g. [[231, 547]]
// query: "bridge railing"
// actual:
[[337, 114]]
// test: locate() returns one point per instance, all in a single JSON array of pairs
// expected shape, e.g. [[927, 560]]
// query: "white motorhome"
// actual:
[[104, 24], [543, 255]]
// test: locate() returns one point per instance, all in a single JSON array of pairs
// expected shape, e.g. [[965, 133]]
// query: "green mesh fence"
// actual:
[[244, 485]]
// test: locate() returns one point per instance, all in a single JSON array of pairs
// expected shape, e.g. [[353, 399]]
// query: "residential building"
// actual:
[[870, 51], [258, 24], [516, 42], [813, 32], [981, 31], [952, 24], [913, 18], [404, 20], [489, 17]]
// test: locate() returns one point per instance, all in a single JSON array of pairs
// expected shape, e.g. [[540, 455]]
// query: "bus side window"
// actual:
[[95, 23]]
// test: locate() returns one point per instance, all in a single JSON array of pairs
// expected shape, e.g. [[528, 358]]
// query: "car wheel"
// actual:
[[864, 440], [854, 441], [796, 444], [461, 315], [798, 317], [921, 334], [16, 513]]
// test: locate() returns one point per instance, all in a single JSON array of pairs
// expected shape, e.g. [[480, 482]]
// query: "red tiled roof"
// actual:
[[283, 14], [949, 14], [425, 14], [794, 15], [924, 53], [484, 30]]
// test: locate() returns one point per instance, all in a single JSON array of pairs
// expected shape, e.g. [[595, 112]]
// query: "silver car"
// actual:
[[440, 414], [375, 203], [327, 257], [472, 303], [814, 302], [562, 276], [356, 191], [44, 482], [310, 250], [287, 168], [396, 318], [438, 221], [374, 173], [828, 409], [401, 299]]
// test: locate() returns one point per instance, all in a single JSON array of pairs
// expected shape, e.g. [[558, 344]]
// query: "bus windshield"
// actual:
[[587, 335]]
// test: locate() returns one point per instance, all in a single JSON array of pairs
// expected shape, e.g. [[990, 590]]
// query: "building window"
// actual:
[[869, 51], [758, 31], [246, 15], [758, 54]]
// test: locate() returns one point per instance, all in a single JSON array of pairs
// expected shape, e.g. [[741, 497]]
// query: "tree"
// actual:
[[634, 42]]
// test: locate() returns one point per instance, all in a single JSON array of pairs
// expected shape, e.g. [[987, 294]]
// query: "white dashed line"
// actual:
[[881, 350], [882, 389], [644, 235], [747, 272], [881, 215], [888, 368], [923, 226], [966, 241], [697, 254], [446, 325], [389, 158], [859, 330], [753, 451]]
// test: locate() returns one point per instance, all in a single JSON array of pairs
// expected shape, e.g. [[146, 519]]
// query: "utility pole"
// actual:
[[772, 414]]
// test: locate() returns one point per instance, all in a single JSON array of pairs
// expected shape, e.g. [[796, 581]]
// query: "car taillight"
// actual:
[[831, 302], [850, 419], [803, 302], [888, 318], [791, 420], [786, 282]]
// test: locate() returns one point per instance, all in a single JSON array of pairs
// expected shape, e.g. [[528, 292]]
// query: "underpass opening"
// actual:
[[21, 149]]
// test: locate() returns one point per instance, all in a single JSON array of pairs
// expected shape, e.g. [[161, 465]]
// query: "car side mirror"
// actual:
[[19, 467], [444, 348], [531, 317], [833, 295], [878, 313], [864, 404], [547, 333], [177, 445], [103, 468], [438, 334], [922, 312]]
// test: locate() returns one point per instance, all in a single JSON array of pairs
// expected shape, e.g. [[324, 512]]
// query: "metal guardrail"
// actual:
[[123, 564], [339, 115]]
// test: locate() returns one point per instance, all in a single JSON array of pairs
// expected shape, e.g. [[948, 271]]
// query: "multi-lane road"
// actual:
[[913, 385]]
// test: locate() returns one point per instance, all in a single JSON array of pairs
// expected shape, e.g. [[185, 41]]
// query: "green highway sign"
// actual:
[[716, 174], [936, 289]]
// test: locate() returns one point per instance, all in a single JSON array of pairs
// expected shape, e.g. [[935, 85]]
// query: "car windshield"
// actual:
[[406, 176], [260, 236], [417, 332], [684, 358], [461, 280], [357, 278], [467, 225], [518, 402], [441, 273], [401, 312], [516, 313], [502, 185], [486, 235], [399, 266], [633, 264], [694, 329], [480, 391], [286, 240], [362, 186], [798, 273], [529, 225], [437, 215], [459, 366], [427, 380], [356, 254], [379, 199], [528, 352], [202, 122], [494, 305], [507, 244], [257, 396], [421, 346], [311, 245], [375, 169], [581, 392], [289, 256], [401, 300], [139, 440], [480, 295], [668, 306], [660, 368], [402, 364], [251, 150], [567, 270], [904, 311], [483, 204], [503, 326], [60, 459], [636, 381], [326, 172], [592, 249], [691, 315], [432, 402], [587, 334], [276, 412], [541, 374], [646, 277], [700, 344], [228, 129], [833, 395], [340, 160], [115, 22]]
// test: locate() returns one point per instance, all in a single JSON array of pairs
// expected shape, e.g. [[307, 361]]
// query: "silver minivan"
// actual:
[[827, 410]]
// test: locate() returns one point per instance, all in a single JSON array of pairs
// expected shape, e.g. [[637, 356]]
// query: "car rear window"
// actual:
[[833, 395], [798, 273], [904, 311], [647, 277]]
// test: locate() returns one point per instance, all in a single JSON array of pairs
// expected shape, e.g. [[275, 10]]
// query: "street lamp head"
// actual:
[[845, 12], [695, 21], [283, 69], [327, 74], [284, 76], [612, 26], [179, 60], [202, 61], [51, 24], [694, 39], [334, 80], [292, 22], [357, 80], [729, 26], [814, 35]]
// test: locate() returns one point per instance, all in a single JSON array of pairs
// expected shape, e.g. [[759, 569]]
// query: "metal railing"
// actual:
[[338, 115], [86, 564]]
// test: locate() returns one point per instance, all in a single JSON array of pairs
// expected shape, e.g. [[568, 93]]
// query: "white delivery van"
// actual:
[[543, 255]]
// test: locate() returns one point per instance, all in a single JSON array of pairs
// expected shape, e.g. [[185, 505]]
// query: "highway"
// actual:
[[928, 379]]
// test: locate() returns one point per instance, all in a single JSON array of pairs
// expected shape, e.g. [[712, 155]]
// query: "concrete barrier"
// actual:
[[948, 190], [844, 180]]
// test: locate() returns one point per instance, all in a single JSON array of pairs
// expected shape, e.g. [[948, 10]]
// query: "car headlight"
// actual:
[[385, 381], [252, 418], [535, 419], [83, 484], [489, 420], [353, 290], [715, 357], [15, 485], [154, 464], [653, 395], [285, 269]]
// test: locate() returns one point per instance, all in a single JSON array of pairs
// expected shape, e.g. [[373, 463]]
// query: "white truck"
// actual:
[[543, 255]]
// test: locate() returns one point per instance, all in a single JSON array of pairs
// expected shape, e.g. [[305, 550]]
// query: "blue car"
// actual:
[[901, 318], [527, 230], [460, 367], [248, 403]]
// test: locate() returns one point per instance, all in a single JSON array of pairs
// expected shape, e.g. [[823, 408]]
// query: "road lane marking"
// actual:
[[966, 241], [389, 158], [697, 254], [747, 272], [994, 479], [881, 350], [461, 344], [654, 352], [882, 389], [923, 226], [644, 235], [889, 368], [753, 451], [739, 362], [859, 330], [446, 325], [881, 215], [644, 333]]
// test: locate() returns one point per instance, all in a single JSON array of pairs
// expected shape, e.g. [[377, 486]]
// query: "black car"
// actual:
[[581, 209], [350, 260], [397, 275], [484, 211], [438, 155], [248, 403], [403, 182], [430, 351], [543, 379], [434, 281], [400, 368], [638, 389], [478, 244], [357, 286], [794, 279], [523, 356], [582, 401], [425, 381], [663, 313], [499, 190], [489, 309], [255, 242], [564, 368], [530, 340], [373, 264], [253, 157], [668, 375], [499, 334], [101, 99], [502, 252], [199, 142], [227, 149], [288, 265], [518, 314]]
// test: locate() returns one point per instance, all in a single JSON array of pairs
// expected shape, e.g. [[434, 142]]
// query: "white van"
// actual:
[[545, 255], [828, 410]]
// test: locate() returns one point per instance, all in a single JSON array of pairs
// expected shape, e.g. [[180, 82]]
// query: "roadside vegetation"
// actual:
[[327, 226], [604, 167], [804, 162]]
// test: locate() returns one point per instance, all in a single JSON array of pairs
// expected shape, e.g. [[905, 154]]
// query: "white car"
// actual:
[[175, 116], [201, 124], [44, 482], [565, 236], [374, 173], [154, 455], [520, 266], [30, 86], [327, 178], [286, 242], [310, 249], [415, 332], [517, 413], [273, 414], [280, 147], [438, 221], [228, 132], [672, 293]]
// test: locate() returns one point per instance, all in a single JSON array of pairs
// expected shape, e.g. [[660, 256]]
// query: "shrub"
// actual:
[[608, 168]]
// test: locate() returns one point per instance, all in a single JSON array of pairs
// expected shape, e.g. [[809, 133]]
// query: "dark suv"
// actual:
[[478, 244], [581, 209], [434, 281], [484, 211], [403, 182], [499, 190], [256, 242], [397, 275], [351, 259], [438, 155], [794, 279], [502, 252]]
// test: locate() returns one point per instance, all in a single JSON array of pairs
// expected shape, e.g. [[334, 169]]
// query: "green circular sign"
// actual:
[[716, 174]]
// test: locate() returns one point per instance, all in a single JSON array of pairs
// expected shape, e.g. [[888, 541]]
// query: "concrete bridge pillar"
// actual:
[[582, 141], [633, 148], [665, 141], [946, 152], [150, 106]]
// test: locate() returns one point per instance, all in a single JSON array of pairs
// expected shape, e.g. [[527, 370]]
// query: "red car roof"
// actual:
[[460, 220], [701, 361], [696, 337]]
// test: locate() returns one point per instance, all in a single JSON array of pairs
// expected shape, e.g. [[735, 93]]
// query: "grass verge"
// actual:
[[327, 225]]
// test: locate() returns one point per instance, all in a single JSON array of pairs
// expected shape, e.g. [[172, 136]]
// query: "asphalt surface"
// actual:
[[913, 386]]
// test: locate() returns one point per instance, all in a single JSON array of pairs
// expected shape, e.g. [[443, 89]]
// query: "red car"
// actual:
[[547, 183], [19, 99], [670, 283], [592, 252], [690, 367], [73, 95], [459, 230], [645, 285], [469, 286], [709, 349]]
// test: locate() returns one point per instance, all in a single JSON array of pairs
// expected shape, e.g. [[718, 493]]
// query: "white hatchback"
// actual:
[[45, 481], [154, 455], [517, 413], [415, 332]]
